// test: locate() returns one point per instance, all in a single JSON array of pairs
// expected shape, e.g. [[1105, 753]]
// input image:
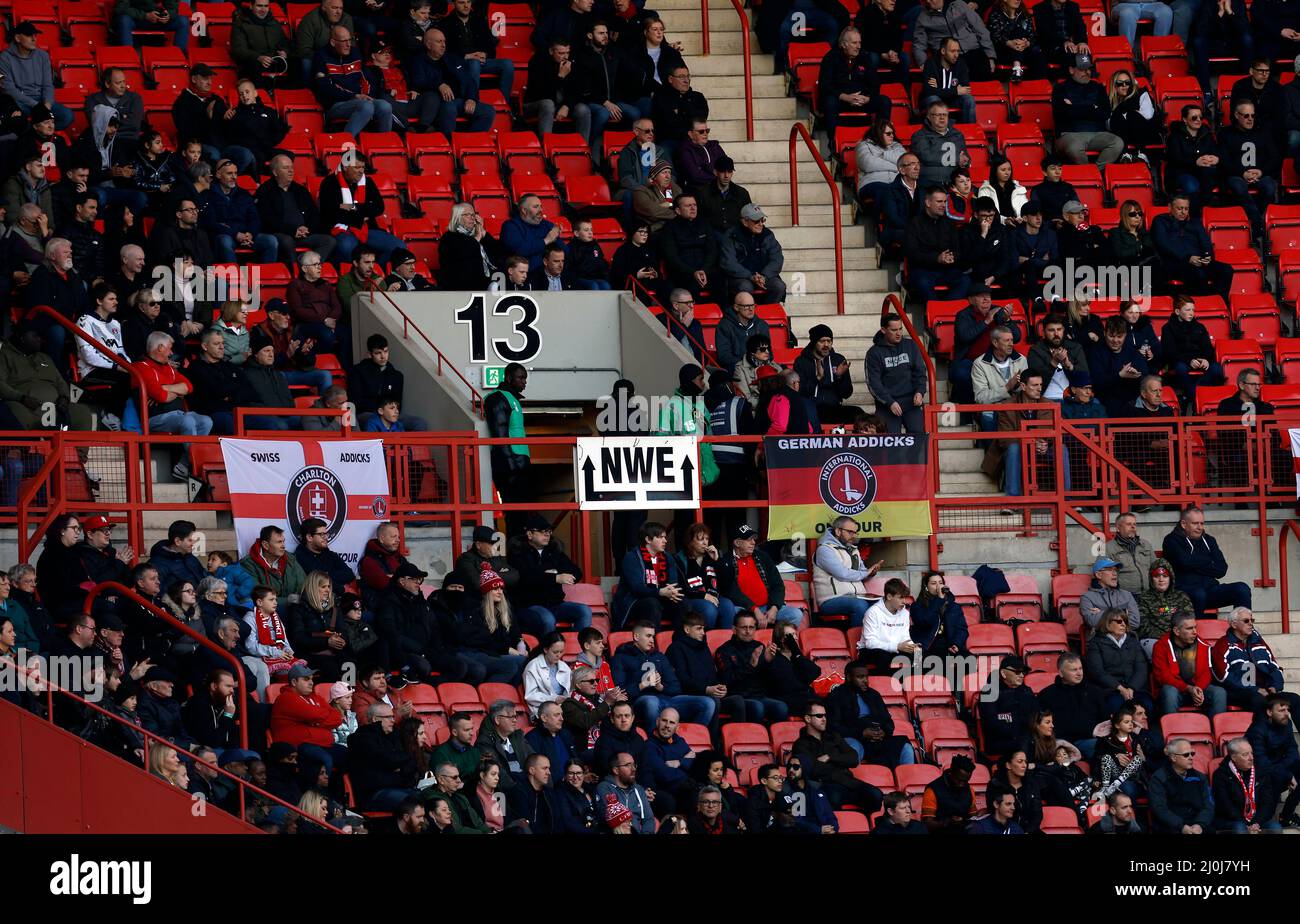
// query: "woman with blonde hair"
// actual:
[[1133, 116], [233, 324], [1082, 326], [311, 626], [165, 764], [487, 634]]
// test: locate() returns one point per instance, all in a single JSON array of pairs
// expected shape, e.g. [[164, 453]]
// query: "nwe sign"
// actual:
[[637, 473]]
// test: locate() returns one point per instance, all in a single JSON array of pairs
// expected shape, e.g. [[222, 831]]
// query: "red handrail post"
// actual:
[[745, 49], [894, 305], [799, 130], [1289, 527], [203, 640]]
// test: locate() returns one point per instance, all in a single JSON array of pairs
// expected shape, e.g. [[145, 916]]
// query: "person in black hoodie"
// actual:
[[544, 572], [697, 672], [1192, 156], [824, 377], [1076, 706], [585, 261], [382, 771], [412, 627], [858, 713], [1188, 351]]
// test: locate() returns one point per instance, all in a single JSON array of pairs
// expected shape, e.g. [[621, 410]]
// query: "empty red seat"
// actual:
[[1022, 601]]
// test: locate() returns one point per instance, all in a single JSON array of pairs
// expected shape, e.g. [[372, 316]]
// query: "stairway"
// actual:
[[762, 167]]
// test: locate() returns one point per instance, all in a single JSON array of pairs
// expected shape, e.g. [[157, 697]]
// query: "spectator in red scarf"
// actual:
[[267, 638], [649, 582], [271, 566]]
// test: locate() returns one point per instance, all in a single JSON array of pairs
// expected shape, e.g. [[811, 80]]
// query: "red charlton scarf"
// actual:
[[593, 733], [270, 630], [1248, 788], [656, 568], [345, 192]]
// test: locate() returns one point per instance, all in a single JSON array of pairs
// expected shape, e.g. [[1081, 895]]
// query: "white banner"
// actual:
[[1295, 454], [637, 473], [283, 482]]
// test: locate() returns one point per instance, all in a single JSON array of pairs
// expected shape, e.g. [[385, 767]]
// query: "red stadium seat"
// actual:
[[1022, 601], [460, 697], [1229, 725], [1060, 820], [747, 745], [1193, 726], [1041, 638], [784, 735], [1211, 630], [991, 638], [852, 823], [1256, 317]]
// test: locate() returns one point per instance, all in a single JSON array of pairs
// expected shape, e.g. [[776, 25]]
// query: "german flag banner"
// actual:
[[881, 481]]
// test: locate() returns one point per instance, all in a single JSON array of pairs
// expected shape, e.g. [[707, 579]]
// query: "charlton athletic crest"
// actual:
[[316, 492], [847, 484]]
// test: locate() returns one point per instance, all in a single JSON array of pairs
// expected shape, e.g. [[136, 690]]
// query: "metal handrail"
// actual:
[[35, 679], [634, 284], [893, 304], [203, 640], [744, 45], [799, 130], [48, 312], [1289, 527], [409, 325]]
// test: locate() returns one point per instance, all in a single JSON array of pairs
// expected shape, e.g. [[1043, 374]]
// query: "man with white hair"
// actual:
[[1244, 665], [1244, 800], [166, 389], [1179, 794], [129, 277], [57, 283]]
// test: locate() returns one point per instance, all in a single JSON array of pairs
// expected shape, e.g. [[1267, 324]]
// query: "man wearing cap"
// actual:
[[29, 78], [267, 386], [1005, 708], [653, 202], [748, 576], [404, 278], [201, 114], [411, 626], [1080, 241], [230, 215], [295, 350], [101, 560], [469, 566], [544, 572], [110, 639], [209, 715], [1106, 594], [690, 249], [973, 335], [1081, 111], [824, 376], [301, 718], [721, 200], [288, 212], [512, 471], [159, 711], [752, 258]]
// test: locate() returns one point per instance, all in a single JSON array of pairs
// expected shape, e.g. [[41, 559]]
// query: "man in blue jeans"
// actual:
[[344, 88], [652, 684], [839, 578], [1198, 565], [435, 71], [607, 82], [742, 669], [544, 572]]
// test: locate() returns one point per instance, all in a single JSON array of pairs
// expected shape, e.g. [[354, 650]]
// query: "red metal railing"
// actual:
[[37, 684], [648, 298], [243, 413], [894, 305], [1283, 567], [408, 325], [46, 311], [744, 47], [112, 587], [800, 131]]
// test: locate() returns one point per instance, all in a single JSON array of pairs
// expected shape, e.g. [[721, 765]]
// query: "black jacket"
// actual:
[[65, 293], [1006, 719], [87, 249], [536, 586], [1230, 798], [842, 758], [1182, 341], [928, 237], [407, 622], [1236, 146], [190, 115], [378, 761], [1076, 709], [689, 246], [1179, 800], [838, 74], [842, 708], [271, 202], [599, 77], [1049, 36], [208, 724], [170, 238], [693, 663], [163, 718], [544, 82], [368, 385], [219, 387], [672, 112], [575, 811], [460, 262], [533, 806], [258, 128], [328, 561]]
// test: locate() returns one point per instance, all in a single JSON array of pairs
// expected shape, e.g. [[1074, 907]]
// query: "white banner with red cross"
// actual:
[[284, 482], [1295, 454]]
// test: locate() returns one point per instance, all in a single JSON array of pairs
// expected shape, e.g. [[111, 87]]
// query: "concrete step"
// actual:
[[811, 260], [824, 280], [806, 237], [778, 171], [716, 65], [730, 131], [778, 217], [724, 38], [844, 325], [782, 108], [959, 462], [765, 149], [729, 90], [812, 196], [960, 484]]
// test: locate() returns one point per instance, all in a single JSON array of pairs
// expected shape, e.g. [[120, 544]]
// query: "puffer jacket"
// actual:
[[1108, 665]]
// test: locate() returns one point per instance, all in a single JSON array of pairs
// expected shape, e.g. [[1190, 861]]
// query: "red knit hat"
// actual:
[[489, 580], [616, 813]]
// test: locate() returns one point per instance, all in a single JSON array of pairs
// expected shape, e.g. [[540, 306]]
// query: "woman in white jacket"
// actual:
[[108, 386], [877, 156], [547, 679], [1002, 188], [887, 629]]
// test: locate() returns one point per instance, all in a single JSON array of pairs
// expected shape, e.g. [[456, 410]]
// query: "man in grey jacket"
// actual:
[[1134, 554], [622, 785], [940, 19], [1105, 594], [751, 257], [637, 158], [940, 147], [897, 379], [29, 78]]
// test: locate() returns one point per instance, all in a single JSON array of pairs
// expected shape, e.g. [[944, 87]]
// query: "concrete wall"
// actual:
[[650, 359]]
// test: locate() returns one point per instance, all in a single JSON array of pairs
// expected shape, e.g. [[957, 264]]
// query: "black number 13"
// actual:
[[474, 315]]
